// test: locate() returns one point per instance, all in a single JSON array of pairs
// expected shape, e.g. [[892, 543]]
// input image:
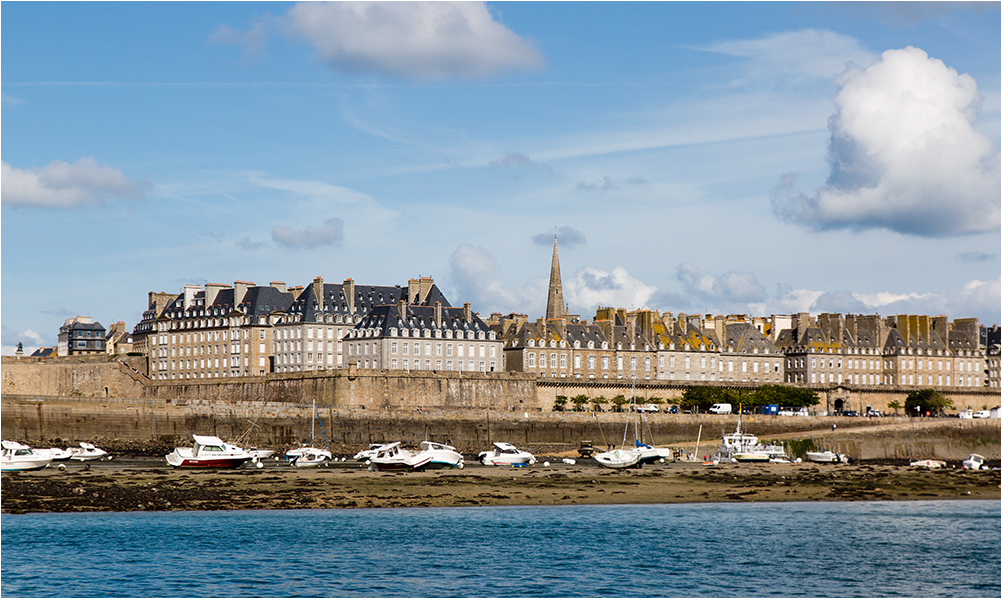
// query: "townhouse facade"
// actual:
[[81, 335]]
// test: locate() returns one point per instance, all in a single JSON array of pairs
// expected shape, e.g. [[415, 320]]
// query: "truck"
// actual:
[[720, 409]]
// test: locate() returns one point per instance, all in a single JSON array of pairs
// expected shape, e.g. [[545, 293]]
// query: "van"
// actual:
[[720, 409]]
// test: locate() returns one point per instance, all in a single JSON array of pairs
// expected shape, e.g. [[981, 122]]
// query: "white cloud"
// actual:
[[815, 53], [903, 153], [473, 270], [420, 41], [331, 233], [729, 289], [65, 185], [591, 288], [30, 339], [567, 237]]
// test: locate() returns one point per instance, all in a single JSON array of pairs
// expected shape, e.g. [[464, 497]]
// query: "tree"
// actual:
[[895, 405], [618, 401], [559, 403], [702, 397], [929, 402], [782, 395], [580, 401]]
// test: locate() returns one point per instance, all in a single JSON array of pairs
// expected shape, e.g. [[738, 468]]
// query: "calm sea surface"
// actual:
[[861, 549]]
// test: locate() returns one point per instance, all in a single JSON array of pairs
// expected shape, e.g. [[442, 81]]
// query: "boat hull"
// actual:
[[420, 465], [619, 459], [25, 465], [205, 463], [751, 457], [823, 457]]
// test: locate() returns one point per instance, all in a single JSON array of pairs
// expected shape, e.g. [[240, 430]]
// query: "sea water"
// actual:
[[849, 549]]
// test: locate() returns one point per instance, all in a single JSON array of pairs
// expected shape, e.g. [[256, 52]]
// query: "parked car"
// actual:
[[874, 413], [672, 408], [722, 408], [981, 414], [851, 413], [647, 408]]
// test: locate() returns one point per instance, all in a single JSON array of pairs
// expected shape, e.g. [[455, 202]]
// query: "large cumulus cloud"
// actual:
[[903, 154]]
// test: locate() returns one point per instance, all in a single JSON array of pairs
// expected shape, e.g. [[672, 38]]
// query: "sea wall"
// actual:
[[286, 424]]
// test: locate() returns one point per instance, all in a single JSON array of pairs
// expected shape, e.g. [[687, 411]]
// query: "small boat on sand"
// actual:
[[929, 464], [368, 453], [973, 462], [506, 454], [307, 456], [826, 456], [392, 457], [58, 454], [86, 451], [443, 456], [18, 457], [209, 452], [620, 458], [745, 447]]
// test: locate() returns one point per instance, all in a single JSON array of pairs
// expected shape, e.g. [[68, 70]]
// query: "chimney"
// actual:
[[438, 314], [240, 290], [467, 315], [189, 292], [348, 289], [279, 285], [426, 287], [318, 292], [212, 290]]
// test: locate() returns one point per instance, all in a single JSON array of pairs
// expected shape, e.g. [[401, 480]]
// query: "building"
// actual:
[[81, 335], [118, 340]]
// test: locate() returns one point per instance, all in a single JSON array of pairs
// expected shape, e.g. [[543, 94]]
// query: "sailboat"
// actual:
[[623, 457], [308, 456]]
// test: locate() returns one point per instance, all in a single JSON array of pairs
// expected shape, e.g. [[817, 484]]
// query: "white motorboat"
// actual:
[[368, 453], [307, 456], [18, 457], [391, 457], [58, 454], [621, 458], [443, 456], [86, 452], [506, 454], [209, 452], [929, 464], [973, 462], [258, 454], [745, 447], [826, 456]]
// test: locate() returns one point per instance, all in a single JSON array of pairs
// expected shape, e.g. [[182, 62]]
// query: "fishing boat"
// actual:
[[391, 457], [209, 452], [307, 456], [826, 456], [506, 454], [58, 454], [18, 457], [443, 456], [86, 451]]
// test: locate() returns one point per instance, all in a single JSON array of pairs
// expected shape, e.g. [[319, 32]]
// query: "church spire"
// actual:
[[555, 294]]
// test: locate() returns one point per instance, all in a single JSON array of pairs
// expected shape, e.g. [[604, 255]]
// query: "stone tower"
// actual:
[[555, 294]]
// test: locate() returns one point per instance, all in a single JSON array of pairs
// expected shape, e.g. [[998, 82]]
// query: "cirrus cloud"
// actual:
[[418, 41], [65, 185], [903, 154]]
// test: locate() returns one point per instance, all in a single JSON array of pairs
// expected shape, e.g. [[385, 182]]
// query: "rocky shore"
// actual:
[[151, 486]]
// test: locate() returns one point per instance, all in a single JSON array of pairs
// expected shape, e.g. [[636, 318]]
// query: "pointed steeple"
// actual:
[[555, 294]]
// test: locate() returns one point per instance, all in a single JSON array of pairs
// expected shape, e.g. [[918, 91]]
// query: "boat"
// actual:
[[973, 462], [826, 456], [58, 454], [307, 456], [209, 452], [86, 452], [443, 456], [745, 447], [929, 464], [391, 457], [506, 454], [651, 454], [620, 458], [257, 454], [18, 457], [368, 453]]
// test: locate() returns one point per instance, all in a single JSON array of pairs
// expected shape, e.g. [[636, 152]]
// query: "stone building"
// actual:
[[418, 337], [81, 335]]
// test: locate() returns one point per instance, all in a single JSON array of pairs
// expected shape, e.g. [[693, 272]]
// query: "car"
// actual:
[[851, 413], [981, 414], [647, 408], [874, 413], [672, 408]]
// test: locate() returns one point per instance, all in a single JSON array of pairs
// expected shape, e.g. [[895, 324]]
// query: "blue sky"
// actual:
[[716, 157]]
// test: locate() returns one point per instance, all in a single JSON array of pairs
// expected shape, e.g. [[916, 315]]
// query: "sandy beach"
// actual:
[[153, 487]]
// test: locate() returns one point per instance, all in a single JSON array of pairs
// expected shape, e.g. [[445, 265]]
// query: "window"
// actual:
[[605, 362], [592, 363], [532, 359]]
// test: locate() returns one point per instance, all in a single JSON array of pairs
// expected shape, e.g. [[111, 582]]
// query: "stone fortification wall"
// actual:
[[98, 376], [346, 430]]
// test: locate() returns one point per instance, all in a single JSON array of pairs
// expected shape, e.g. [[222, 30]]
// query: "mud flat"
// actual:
[[153, 487]]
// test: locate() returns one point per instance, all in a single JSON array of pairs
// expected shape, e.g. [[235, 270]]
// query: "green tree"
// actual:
[[597, 403], [559, 403], [702, 397], [580, 401], [929, 402], [618, 401], [895, 405]]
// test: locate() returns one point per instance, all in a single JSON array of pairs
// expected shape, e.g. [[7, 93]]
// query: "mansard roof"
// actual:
[[744, 338], [381, 319], [365, 299]]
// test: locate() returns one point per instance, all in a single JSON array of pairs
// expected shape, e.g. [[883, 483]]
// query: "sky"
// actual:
[[728, 158]]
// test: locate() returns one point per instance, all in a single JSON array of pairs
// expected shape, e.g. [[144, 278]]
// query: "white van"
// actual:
[[720, 409]]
